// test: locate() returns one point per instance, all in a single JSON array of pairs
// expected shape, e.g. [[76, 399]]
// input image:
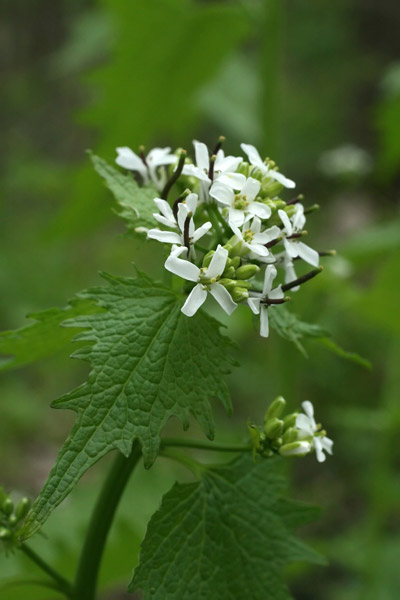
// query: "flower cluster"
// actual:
[[11, 518], [297, 434], [229, 232]]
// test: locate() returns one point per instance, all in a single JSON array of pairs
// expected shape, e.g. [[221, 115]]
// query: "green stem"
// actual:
[[100, 524], [62, 584], [214, 221], [194, 466], [199, 444]]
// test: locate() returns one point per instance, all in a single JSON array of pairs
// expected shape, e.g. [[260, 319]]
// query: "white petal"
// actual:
[[236, 217], [168, 237], [183, 213], [258, 249], [308, 408], [129, 160], [260, 210], [276, 294], [222, 193], [202, 155], [286, 221], [298, 219], [264, 325], [254, 304], [236, 231], [255, 225], [287, 183], [194, 171], [327, 444], [308, 254], [226, 164], [164, 220], [319, 450], [201, 231], [252, 154], [191, 202], [218, 262], [291, 248], [251, 188], [195, 299], [223, 297], [233, 180], [269, 276], [164, 208], [182, 268], [303, 422]]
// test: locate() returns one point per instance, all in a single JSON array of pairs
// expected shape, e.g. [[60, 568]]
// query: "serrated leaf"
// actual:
[[43, 338], [288, 326], [227, 536], [135, 204], [149, 363]]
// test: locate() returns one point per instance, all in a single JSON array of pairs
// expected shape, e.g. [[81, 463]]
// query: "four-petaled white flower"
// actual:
[[147, 166], [224, 169], [253, 238], [294, 247], [255, 299], [206, 280], [186, 210], [256, 160], [242, 203], [308, 428]]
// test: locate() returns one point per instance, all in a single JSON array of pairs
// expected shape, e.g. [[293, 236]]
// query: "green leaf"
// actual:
[[227, 536], [149, 363], [43, 338], [288, 326], [135, 204]]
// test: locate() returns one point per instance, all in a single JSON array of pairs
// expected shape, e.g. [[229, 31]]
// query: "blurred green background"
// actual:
[[314, 84]]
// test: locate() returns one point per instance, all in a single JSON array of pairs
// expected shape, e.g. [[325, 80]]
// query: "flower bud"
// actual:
[[8, 506], [239, 294], [207, 258], [290, 420], [12, 520], [229, 273], [295, 449], [229, 284], [22, 508], [290, 435], [275, 409], [5, 533], [235, 261], [270, 188], [273, 428], [246, 271]]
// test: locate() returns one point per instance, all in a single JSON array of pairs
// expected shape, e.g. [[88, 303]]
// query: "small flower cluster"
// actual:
[[297, 434], [228, 229], [11, 518]]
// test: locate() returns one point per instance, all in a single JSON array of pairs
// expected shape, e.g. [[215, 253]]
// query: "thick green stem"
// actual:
[[199, 444], [60, 583], [100, 523]]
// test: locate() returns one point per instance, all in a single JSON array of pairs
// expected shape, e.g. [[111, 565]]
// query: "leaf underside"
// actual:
[[149, 363], [227, 536]]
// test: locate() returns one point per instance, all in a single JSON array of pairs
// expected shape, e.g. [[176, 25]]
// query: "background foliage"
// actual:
[[316, 85]]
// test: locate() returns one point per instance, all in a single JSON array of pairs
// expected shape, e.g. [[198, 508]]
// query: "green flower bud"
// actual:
[[270, 188], [235, 261], [22, 508], [12, 520], [207, 258], [290, 435], [229, 273], [295, 449], [239, 294], [275, 409], [246, 271], [290, 420], [8, 506], [273, 428], [5, 533], [229, 284]]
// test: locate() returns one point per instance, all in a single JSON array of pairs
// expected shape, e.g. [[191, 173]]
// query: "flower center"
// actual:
[[240, 202], [248, 236]]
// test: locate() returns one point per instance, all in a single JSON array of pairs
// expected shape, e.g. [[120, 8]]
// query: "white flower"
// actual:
[[186, 209], [294, 247], [253, 238], [307, 428], [243, 203], [286, 262], [224, 169], [206, 279], [255, 300], [147, 166], [256, 160]]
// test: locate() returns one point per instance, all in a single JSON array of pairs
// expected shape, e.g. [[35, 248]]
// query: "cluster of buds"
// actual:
[[229, 232], [295, 434], [11, 517]]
